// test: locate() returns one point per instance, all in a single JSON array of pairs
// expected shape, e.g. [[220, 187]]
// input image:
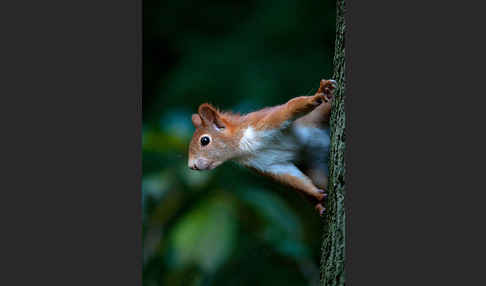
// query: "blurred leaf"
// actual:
[[159, 141], [279, 217], [156, 185], [206, 235], [195, 179]]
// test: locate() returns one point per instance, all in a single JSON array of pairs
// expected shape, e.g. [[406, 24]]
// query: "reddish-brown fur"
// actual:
[[226, 130]]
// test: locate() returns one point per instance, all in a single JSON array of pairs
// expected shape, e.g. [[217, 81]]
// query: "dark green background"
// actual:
[[227, 226]]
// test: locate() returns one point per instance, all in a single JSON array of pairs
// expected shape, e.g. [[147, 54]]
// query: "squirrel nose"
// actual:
[[192, 164], [198, 164], [201, 164]]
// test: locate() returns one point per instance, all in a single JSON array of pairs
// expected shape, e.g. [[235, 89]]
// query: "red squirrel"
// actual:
[[288, 142]]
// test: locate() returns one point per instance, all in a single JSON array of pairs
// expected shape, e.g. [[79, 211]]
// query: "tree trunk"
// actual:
[[333, 241]]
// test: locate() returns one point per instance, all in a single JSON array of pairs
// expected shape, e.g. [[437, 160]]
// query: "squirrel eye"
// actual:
[[205, 140]]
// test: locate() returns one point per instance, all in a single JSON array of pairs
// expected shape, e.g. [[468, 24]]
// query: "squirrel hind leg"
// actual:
[[318, 176], [320, 209]]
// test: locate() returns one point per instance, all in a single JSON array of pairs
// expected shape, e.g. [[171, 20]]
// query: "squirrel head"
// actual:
[[213, 141]]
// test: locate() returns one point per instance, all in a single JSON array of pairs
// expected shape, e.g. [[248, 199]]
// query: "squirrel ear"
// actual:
[[207, 112], [211, 115], [196, 120]]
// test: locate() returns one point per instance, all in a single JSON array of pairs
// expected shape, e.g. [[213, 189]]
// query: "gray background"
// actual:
[[414, 212]]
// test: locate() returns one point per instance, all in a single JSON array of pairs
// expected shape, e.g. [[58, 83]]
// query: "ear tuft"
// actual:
[[211, 115], [196, 120], [207, 112]]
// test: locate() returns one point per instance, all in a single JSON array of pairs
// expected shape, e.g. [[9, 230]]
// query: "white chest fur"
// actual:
[[270, 149]]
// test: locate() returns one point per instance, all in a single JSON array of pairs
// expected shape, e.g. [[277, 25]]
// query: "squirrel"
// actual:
[[288, 143]]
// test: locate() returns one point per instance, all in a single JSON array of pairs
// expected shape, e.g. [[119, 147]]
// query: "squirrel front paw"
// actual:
[[325, 92], [319, 98], [327, 87]]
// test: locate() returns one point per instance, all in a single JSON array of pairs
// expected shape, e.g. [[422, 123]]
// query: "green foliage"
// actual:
[[228, 226]]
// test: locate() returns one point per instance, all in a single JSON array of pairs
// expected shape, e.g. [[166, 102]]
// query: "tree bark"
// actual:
[[333, 241]]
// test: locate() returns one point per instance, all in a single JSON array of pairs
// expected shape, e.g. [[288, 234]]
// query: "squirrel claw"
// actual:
[[327, 87], [323, 193], [321, 209]]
